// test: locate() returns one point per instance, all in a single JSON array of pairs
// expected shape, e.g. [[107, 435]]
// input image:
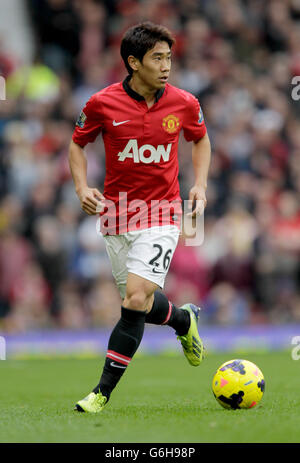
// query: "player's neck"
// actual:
[[139, 87]]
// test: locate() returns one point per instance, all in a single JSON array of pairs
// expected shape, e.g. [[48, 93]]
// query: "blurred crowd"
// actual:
[[238, 57]]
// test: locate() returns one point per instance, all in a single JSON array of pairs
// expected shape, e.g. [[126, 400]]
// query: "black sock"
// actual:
[[123, 343], [163, 312]]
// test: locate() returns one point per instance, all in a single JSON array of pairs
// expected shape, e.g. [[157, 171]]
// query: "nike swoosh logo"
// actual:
[[113, 364], [155, 271], [119, 123]]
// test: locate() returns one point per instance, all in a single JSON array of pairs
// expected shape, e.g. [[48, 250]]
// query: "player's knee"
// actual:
[[136, 300]]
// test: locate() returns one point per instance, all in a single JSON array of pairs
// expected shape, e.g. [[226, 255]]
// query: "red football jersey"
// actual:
[[141, 152]]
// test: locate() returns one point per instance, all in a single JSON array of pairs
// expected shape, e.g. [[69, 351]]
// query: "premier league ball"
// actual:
[[238, 384]]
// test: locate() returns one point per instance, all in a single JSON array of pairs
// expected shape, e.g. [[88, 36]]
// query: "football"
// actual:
[[238, 384]]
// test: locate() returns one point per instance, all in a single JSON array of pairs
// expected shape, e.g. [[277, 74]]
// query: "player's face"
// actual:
[[155, 67]]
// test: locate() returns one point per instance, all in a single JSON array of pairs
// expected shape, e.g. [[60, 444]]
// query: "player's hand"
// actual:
[[91, 200], [197, 196]]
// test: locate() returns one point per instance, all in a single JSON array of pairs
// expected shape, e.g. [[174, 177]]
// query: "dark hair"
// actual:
[[140, 38]]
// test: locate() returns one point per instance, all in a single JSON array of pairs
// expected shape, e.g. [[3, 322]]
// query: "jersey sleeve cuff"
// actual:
[[78, 140], [197, 136]]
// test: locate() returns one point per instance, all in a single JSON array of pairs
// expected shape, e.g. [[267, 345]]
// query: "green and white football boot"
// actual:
[[92, 403], [191, 342]]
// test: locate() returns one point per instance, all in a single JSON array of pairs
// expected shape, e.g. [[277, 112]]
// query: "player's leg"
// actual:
[[117, 248], [128, 332], [137, 298], [139, 293], [164, 312], [184, 320], [150, 256]]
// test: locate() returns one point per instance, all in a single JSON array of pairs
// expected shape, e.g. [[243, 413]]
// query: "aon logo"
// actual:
[[146, 153]]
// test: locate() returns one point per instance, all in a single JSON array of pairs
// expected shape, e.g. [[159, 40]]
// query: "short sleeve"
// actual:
[[89, 123], [193, 126]]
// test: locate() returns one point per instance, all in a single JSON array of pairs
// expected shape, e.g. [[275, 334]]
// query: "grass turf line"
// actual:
[[158, 400]]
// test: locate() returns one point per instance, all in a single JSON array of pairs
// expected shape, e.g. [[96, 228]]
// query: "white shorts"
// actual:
[[147, 253]]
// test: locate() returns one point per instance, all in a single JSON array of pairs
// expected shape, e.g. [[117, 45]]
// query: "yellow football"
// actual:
[[238, 384]]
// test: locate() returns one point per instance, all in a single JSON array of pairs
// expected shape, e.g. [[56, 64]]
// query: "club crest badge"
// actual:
[[170, 123]]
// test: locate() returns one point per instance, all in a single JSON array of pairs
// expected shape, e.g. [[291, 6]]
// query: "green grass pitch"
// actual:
[[160, 399]]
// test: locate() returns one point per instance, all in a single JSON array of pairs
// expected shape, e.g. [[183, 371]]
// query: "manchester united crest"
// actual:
[[170, 123]]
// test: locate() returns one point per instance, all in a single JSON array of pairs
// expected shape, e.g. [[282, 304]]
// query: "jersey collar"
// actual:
[[137, 96]]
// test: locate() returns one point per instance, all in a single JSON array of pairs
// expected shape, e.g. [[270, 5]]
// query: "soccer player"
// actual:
[[140, 208]]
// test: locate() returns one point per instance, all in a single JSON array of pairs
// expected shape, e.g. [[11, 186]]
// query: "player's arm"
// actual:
[[88, 126], [194, 130], [90, 198], [201, 155]]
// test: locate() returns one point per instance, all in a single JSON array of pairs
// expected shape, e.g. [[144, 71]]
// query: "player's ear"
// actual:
[[133, 62]]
